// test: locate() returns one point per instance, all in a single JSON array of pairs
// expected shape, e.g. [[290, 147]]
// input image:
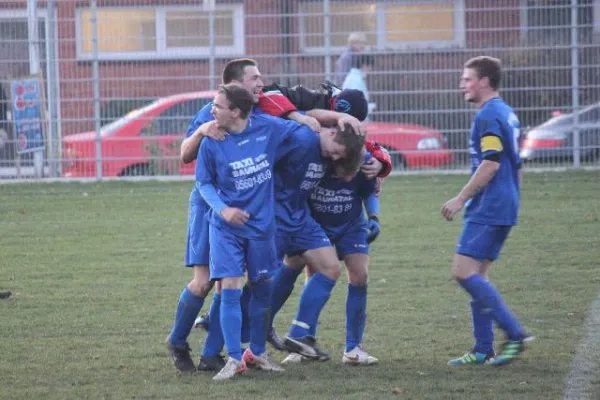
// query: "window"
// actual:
[[387, 24], [160, 32]]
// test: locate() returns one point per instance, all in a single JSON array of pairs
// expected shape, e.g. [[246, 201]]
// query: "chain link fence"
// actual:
[[121, 79]]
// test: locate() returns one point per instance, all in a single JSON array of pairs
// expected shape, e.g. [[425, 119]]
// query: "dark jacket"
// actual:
[[305, 99]]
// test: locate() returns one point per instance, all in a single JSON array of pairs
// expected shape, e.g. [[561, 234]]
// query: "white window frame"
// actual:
[[381, 41], [162, 52]]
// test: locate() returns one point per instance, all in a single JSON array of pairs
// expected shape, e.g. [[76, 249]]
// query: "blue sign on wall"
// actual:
[[28, 114]]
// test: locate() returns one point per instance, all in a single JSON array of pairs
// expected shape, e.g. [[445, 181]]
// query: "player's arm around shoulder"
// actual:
[[190, 145]]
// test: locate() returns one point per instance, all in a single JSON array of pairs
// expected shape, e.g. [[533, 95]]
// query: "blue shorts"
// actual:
[[197, 246], [352, 240], [298, 243], [481, 241], [231, 255]]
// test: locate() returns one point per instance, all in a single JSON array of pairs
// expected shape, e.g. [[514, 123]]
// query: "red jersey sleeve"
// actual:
[[275, 104], [380, 154]]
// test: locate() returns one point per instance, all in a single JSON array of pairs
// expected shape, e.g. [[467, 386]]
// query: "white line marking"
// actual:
[[585, 372]]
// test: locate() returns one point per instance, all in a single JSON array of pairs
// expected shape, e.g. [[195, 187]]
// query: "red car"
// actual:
[[146, 141]]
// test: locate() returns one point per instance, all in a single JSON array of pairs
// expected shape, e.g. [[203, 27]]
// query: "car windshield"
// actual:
[[119, 123]]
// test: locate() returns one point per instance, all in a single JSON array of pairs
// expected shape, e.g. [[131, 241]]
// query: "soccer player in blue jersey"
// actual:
[[337, 205], [245, 72], [235, 178], [491, 201], [301, 240], [242, 220]]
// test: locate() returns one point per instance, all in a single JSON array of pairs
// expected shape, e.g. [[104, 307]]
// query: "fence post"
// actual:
[[209, 5], [327, 33], [54, 140], [96, 88], [575, 84], [34, 69]]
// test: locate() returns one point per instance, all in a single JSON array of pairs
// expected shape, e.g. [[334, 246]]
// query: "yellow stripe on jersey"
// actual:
[[491, 143]]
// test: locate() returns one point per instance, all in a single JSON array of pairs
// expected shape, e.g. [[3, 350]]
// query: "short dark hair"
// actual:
[[354, 143], [234, 70], [359, 60], [487, 67], [239, 98]]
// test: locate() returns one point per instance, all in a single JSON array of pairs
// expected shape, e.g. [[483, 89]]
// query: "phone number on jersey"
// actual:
[[248, 183]]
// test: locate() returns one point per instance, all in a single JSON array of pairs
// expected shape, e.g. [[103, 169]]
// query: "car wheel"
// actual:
[[398, 162], [136, 170]]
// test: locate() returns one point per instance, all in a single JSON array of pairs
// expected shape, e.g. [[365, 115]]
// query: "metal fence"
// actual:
[[121, 79]]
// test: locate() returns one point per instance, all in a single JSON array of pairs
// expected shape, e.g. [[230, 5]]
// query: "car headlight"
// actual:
[[429, 143]]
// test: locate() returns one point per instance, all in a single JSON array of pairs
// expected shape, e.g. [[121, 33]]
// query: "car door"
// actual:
[[589, 131], [164, 136]]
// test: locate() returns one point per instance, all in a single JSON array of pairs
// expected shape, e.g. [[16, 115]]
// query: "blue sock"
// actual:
[[231, 321], [282, 286], [259, 316], [188, 308], [213, 344], [312, 331], [314, 296], [245, 305], [356, 315], [486, 294], [483, 328]]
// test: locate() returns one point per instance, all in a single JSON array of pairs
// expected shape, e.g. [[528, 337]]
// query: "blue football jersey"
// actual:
[[299, 169], [495, 132], [204, 116], [241, 169], [336, 203]]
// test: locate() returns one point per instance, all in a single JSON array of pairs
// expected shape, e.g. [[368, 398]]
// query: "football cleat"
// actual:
[[232, 368], [181, 357], [306, 346], [262, 361], [357, 356], [214, 363], [202, 322], [471, 358], [294, 358], [511, 349]]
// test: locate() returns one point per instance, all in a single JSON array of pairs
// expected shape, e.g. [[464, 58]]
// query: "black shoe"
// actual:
[[181, 357], [214, 363], [321, 355], [5, 294], [274, 340], [306, 346], [202, 322]]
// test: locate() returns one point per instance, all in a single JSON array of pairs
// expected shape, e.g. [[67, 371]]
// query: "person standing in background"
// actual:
[[356, 44], [357, 77]]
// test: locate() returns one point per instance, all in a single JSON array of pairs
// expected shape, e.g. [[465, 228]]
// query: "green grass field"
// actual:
[[96, 272]]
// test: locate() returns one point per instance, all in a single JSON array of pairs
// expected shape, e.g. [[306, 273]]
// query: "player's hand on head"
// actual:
[[371, 168], [353, 122], [451, 207], [212, 130], [373, 228], [235, 215]]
